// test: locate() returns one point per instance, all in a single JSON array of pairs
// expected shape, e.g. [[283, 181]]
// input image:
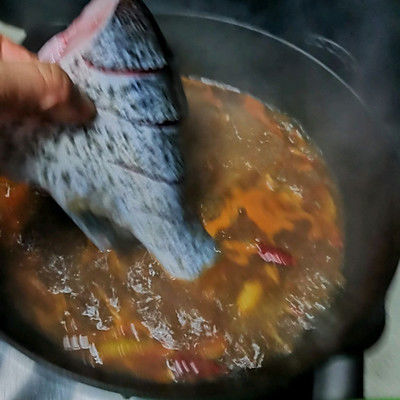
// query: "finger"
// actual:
[[41, 90], [10, 51]]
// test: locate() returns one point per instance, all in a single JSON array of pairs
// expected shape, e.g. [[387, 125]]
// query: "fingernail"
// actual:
[[48, 102]]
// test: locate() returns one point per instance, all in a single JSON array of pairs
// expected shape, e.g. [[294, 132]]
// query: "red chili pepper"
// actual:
[[188, 367], [274, 255]]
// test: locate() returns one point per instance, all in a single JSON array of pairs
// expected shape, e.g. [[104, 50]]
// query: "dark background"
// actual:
[[360, 40], [365, 35]]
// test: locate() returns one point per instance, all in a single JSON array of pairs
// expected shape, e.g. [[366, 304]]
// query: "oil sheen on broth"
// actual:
[[261, 189]]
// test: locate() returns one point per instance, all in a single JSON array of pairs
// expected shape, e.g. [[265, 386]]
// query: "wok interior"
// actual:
[[353, 148]]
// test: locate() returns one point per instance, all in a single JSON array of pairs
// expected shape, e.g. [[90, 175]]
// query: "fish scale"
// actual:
[[129, 24], [150, 97], [120, 178]]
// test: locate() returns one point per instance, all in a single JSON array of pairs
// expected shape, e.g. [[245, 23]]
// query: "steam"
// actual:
[[364, 32], [360, 43]]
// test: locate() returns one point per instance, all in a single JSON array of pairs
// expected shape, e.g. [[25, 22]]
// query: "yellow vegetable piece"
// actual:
[[249, 296], [124, 347], [212, 348], [273, 273]]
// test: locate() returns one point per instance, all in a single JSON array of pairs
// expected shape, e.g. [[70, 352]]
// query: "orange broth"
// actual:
[[262, 191]]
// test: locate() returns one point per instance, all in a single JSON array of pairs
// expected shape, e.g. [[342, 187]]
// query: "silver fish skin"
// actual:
[[119, 178]]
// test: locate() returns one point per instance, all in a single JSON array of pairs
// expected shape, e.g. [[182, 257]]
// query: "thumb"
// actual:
[[34, 89]]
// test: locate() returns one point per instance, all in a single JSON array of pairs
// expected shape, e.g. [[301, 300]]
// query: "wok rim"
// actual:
[[203, 389]]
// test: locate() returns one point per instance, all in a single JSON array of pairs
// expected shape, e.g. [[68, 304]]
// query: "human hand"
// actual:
[[31, 89]]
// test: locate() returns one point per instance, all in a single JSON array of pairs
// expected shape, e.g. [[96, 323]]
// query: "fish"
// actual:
[[120, 178]]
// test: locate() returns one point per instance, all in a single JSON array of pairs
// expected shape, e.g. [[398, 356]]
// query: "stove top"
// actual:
[[23, 379]]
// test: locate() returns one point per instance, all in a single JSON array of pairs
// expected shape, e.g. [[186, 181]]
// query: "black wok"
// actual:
[[361, 154]]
